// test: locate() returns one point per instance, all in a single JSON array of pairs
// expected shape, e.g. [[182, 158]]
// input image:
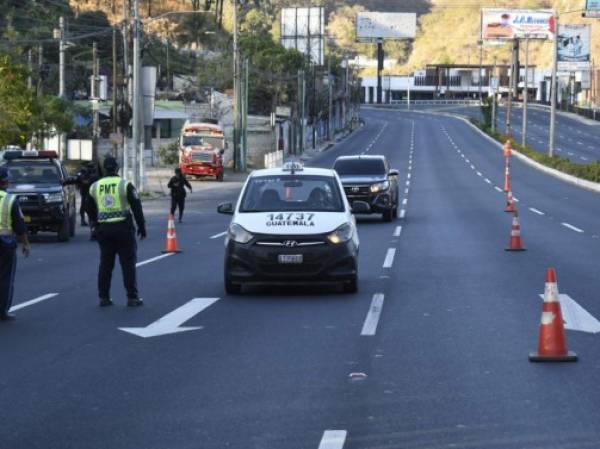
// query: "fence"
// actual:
[[274, 159]]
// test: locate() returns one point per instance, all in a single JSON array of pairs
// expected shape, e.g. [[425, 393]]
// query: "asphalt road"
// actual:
[[431, 353]]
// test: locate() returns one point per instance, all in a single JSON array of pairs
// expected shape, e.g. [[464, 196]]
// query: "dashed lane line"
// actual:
[[402, 213], [220, 234], [389, 258], [498, 189], [153, 259], [32, 301], [571, 227], [487, 181], [535, 211], [333, 439], [397, 231], [372, 319]]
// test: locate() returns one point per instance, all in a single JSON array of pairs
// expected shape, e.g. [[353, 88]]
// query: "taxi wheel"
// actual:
[[232, 288]]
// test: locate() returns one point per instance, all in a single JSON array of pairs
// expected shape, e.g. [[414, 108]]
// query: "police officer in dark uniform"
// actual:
[[11, 226], [112, 202], [85, 178]]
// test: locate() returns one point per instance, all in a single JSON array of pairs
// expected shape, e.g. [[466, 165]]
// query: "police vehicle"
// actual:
[[44, 189], [292, 225]]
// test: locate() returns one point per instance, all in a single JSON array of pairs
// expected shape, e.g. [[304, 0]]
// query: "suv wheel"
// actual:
[[351, 286], [388, 215], [64, 229], [232, 288]]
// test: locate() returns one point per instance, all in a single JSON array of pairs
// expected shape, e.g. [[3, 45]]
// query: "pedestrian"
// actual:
[[177, 184], [12, 228], [112, 206], [85, 178]]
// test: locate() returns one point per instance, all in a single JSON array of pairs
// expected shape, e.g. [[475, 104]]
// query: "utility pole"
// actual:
[[494, 96], [510, 93], [29, 69], [40, 88], [114, 89], [94, 98], [244, 136], [380, 57], [330, 99], [553, 89], [314, 108], [62, 147], [126, 7], [525, 93], [480, 70], [408, 94], [239, 164], [136, 141]]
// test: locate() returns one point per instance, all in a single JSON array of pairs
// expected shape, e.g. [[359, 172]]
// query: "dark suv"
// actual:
[[45, 191], [370, 179]]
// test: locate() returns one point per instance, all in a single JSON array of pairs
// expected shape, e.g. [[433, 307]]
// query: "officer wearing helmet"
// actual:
[[112, 206], [11, 225]]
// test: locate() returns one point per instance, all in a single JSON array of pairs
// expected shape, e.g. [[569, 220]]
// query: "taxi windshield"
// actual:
[[281, 193]]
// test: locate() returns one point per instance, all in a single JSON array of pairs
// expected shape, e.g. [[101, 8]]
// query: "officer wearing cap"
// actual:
[[11, 225], [111, 204]]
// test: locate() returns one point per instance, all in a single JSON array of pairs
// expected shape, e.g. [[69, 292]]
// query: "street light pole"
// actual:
[[238, 156], [61, 81], [525, 93], [553, 90], [136, 94]]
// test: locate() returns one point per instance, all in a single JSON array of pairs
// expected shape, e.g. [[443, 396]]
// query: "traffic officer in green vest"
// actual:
[[11, 226], [111, 204]]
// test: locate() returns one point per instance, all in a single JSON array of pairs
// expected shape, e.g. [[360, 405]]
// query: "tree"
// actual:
[[16, 102]]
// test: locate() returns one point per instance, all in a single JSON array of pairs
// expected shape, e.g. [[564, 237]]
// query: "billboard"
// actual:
[[371, 26], [502, 24], [303, 29], [573, 47], [592, 8]]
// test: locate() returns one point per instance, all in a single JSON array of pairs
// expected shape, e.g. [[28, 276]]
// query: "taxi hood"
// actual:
[[290, 223]]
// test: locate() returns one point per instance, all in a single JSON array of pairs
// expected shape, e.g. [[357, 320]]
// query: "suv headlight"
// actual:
[[56, 197], [380, 186], [341, 234], [239, 234]]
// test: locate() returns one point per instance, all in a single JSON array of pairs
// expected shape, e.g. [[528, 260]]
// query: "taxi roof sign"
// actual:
[[292, 166]]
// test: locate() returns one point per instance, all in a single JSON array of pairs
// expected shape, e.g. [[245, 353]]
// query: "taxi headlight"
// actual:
[[56, 197], [380, 186], [239, 234], [341, 234]]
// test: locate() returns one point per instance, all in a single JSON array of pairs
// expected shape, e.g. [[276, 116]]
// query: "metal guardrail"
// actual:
[[436, 102]]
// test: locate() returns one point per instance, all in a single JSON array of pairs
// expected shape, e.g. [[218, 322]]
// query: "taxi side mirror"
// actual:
[[394, 172], [360, 207], [225, 208]]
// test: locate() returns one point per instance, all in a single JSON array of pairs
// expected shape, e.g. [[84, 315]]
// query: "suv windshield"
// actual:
[[346, 167], [281, 193], [33, 172]]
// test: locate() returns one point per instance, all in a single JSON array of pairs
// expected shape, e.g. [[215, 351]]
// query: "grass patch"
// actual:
[[590, 172]]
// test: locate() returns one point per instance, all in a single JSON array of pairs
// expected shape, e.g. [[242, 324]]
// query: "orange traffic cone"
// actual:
[[510, 204], [515, 243], [552, 344], [507, 148], [171, 244], [507, 176]]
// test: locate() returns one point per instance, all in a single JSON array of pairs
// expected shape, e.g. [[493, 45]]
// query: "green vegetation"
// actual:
[[169, 154], [590, 172]]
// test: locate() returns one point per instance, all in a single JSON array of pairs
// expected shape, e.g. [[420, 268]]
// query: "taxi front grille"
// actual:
[[290, 243]]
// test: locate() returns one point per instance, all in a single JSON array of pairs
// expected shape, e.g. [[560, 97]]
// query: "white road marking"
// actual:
[[570, 154], [32, 301], [404, 201], [153, 259], [406, 191], [397, 231], [408, 176], [535, 211], [575, 317], [220, 234], [407, 183], [467, 161], [389, 258], [573, 228], [472, 167], [333, 439], [579, 143], [583, 158], [479, 173], [172, 321], [370, 325], [402, 213], [487, 180], [498, 189], [515, 199]]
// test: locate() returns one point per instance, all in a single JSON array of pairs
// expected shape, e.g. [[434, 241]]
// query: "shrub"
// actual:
[[169, 154]]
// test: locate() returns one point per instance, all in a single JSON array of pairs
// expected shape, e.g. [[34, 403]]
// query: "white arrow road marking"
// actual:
[[172, 321], [220, 234], [153, 259], [32, 301], [370, 325], [333, 439], [576, 318]]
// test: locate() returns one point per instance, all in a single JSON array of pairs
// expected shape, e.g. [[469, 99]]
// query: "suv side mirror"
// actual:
[[360, 207], [222, 151], [394, 172], [225, 208]]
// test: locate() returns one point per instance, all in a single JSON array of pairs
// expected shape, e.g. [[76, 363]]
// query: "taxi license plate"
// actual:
[[290, 258], [26, 218]]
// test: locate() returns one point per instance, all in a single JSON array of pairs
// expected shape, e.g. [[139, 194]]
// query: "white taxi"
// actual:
[[292, 225]]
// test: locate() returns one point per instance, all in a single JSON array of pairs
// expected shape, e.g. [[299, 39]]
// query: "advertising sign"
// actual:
[[573, 47], [592, 8], [502, 24], [371, 26], [303, 29]]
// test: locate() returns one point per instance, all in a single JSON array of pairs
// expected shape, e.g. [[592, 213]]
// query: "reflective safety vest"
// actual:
[[110, 194], [6, 204]]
